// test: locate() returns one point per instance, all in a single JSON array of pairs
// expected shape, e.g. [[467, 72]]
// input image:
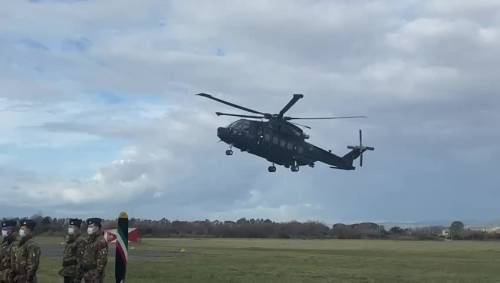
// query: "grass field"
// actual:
[[249, 260]]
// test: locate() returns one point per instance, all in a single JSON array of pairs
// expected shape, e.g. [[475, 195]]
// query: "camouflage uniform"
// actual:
[[5, 259], [25, 259], [95, 258], [72, 259]]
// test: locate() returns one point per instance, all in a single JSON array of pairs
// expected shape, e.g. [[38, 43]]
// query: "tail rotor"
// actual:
[[360, 148]]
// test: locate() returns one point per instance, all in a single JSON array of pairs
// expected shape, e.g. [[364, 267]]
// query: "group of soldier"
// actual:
[[84, 258]]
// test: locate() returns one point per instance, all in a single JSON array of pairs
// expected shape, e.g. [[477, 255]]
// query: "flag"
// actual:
[[121, 248]]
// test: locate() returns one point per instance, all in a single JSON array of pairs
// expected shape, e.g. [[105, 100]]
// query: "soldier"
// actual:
[[8, 241], [95, 253], [25, 254], [73, 253]]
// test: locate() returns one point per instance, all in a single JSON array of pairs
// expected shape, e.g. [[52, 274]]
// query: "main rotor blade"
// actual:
[[239, 115], [323, 118], [289, 105], [230, 104]]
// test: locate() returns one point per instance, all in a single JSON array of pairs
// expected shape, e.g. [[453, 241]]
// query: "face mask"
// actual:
[[22, 233], [71, 230], [5, 233], [91, 230]]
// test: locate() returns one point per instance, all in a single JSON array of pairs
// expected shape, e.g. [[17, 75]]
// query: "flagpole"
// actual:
[[121, 257]]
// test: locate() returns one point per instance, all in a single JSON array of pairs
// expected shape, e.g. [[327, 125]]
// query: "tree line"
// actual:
[[265, 228]]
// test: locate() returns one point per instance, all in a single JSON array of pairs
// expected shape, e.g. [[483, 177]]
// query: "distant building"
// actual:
[[495, 230], [478, 228], [488, 229]]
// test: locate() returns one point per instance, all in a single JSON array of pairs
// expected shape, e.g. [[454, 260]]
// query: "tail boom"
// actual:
[[356, 151]]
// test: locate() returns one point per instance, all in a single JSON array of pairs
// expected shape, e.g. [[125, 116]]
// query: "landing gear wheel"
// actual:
[[229, 152], [271, 169], [294, 168]]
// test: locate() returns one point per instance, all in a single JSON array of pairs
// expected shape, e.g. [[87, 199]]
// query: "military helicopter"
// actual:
[[275, 138]]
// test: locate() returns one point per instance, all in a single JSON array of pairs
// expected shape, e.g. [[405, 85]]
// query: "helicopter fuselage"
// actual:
[[278, 142]]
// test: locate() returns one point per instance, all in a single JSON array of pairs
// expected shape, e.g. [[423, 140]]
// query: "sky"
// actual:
[[98, 112]]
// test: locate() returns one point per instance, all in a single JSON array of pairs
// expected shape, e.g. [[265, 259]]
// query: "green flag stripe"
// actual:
[[122, 236], [122, 246]]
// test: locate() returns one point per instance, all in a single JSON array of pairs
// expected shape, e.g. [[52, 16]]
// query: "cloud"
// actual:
[[98, 113]]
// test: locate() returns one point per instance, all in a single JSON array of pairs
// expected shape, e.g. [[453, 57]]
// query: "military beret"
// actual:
[[94, 221], [75, 222], [9, 223], [28, 223]]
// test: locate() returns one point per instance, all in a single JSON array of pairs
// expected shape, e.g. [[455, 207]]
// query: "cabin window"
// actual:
[[289, 146], [267, 137], [275, 140], [282, 143]]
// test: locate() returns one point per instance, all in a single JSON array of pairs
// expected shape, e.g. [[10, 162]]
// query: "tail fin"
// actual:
[[357, 151]]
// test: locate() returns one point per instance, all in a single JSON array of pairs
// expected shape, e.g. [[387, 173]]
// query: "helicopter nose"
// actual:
[[222, 133]]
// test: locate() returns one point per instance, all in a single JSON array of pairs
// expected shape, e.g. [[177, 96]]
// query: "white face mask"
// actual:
[[5, 233], [91, 230], [71, 230], [22, 233]]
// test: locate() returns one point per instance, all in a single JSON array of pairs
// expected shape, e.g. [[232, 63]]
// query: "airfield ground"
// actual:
[[261, 260]]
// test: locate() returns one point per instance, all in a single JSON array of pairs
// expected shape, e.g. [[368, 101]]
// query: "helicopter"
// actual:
[[279, 141]]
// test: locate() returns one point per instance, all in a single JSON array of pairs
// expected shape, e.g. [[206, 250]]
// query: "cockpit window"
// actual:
[[240, 126]]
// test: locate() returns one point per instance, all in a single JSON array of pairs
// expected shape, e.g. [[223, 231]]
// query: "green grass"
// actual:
[[248, 260]]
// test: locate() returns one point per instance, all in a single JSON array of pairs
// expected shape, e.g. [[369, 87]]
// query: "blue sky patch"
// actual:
[[80, 44], [220, 52], [33, 44], [76, 161]]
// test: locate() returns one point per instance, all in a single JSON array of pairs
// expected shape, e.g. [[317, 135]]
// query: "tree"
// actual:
[[456, 229], [396, 230]]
